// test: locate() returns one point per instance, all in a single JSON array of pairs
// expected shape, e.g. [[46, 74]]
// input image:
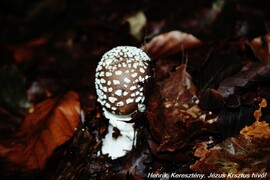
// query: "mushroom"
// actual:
[[121, 82]]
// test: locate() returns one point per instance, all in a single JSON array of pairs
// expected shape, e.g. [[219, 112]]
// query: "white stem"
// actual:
[[118, 147]]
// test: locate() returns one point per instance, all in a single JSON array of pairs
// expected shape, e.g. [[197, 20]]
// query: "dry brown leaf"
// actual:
[[251, 75], [171, 43], [51, 124], [25, 51], [246, 153], [261, 47], [258, 130], [243, 154], [168, 110]]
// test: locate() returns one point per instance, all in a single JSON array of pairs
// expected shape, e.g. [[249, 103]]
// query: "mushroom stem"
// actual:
[[116, 117], [117, 145]]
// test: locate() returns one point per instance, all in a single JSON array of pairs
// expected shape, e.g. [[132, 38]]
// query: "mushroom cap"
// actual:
[[121, 77]]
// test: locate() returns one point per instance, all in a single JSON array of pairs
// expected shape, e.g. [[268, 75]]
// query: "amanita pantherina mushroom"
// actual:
[[121, 78]]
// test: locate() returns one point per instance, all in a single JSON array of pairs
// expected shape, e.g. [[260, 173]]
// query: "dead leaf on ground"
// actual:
[[237, 154], [258, 130], [24, 52], [261, 47], [171, 43], [211, 100], [248, 152], [51, 124], [220, 62], [171, 109], [250, 75]]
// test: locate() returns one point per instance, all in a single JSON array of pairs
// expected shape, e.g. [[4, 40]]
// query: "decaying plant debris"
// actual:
[[207, 112]]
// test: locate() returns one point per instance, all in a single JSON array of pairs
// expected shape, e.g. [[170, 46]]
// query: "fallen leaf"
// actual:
[[220, 63], [170, 109], [178, 88], [37, 42], [259, 130], [24, 52], [250, 75], [51, 124], [237, 19], [240, 154], [211, 100], [171, 43], [261, 47], [235, 155], [245, 153], [9, 123]]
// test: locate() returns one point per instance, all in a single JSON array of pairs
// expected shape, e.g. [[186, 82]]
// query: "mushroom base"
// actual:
[[118, 146]]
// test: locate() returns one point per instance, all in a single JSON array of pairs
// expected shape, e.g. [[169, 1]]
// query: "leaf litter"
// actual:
[[50, 124]]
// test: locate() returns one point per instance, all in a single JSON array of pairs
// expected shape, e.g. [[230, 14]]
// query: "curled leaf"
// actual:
[[51, 124], [250, 75], [171, 43]]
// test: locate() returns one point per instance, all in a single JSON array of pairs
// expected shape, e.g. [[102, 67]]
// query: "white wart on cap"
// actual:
[[120, 80]]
